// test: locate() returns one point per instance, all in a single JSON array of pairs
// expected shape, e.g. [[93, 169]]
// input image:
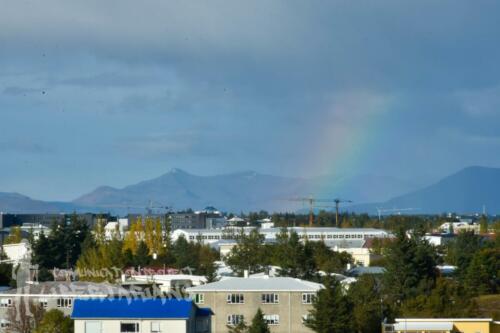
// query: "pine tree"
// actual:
[[259, 325], [331, 311]]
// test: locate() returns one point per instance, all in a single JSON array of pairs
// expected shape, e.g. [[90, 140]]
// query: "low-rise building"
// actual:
[[442, 325], [284, 301], [138, 315], [209, 236], [17, 252], [54, 295]]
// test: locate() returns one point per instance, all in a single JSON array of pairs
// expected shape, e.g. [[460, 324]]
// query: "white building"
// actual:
[[121, 315], [209, 236], [17, 252]]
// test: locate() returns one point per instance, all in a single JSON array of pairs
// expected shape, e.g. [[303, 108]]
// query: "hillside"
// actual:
[[464, 192]]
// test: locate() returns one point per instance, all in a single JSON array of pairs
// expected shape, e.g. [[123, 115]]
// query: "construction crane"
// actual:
[[312, 204], [380, 211], [337, 202]]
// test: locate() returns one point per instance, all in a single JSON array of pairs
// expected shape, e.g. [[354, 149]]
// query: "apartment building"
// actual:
[[53, 295], [284, 301]]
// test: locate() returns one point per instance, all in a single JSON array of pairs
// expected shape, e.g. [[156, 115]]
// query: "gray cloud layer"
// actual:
[[281, 87]]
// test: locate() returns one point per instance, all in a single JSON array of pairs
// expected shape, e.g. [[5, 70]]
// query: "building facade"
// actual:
[[53, 295], [140, 316], [285, 302], [442, 325]]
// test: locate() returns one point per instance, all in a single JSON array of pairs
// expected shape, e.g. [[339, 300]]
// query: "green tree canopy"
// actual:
[[331, 311], [259, 325], [54, 321]]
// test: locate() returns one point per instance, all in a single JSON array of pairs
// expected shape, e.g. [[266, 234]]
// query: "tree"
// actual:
[[15, 236], [241, 327], [259, 324], [461, 250], [134, 235], [331, 311], [142, 257], [288, 253], [54, 321], [410, 268], [248, 253], [367, 302], [482, 275], [447, 300]]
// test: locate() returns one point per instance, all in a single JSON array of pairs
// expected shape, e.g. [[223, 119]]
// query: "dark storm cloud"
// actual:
[[252, 84]]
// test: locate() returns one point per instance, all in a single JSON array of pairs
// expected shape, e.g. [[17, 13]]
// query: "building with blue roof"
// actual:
[[144, 315]]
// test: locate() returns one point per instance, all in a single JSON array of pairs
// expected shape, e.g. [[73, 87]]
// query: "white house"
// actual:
[[140, 315]]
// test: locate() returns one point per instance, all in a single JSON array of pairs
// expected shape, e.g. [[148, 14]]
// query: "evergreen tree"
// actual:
[[248, 253], [367, 302], [259, 325], [447, 300], [142, 257], [410, 268], [482, 275], [331, 311]]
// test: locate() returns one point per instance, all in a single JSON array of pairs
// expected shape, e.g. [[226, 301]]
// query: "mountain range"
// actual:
[[465, 191]]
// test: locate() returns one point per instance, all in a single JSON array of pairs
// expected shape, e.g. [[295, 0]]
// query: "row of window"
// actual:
[[309, 236], [61, 302], [235, 319], [307, 298], [125, 327]]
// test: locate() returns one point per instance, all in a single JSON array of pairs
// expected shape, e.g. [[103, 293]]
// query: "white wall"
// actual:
[[113, 326]]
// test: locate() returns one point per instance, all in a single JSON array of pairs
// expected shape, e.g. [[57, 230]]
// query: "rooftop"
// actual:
[[137, 308], [258, 284]]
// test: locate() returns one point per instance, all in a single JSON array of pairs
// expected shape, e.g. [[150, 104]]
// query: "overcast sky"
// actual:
[[114, 92]]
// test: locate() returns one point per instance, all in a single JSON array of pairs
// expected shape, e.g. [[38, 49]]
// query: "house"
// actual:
[[55, 295], [442, 325], [285, 301], [359, 249], [17, 252], [144, 315]]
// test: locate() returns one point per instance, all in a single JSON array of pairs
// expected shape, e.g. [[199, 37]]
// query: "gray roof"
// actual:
[[68, 288], [258, 284], [357, 271]]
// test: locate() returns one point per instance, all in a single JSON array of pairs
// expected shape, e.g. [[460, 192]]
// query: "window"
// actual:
[[199, 298], [270, 298], [129, 327], [307, 298], [64, 302], [6, 302], [43, 302], [234, 319], [155, 327], [92, 327], [272, 319], [235, 299]]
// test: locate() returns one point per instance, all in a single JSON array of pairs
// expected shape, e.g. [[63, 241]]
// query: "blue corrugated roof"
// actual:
[[146, 308]]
